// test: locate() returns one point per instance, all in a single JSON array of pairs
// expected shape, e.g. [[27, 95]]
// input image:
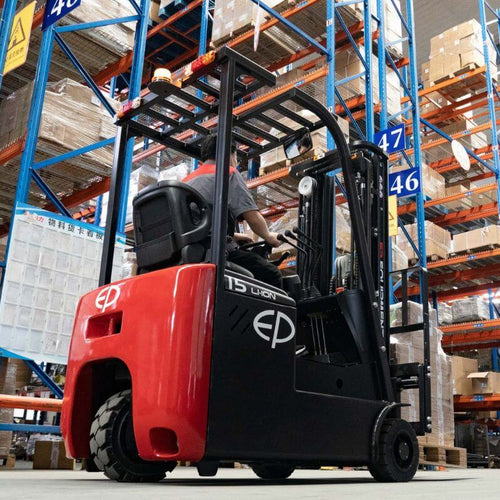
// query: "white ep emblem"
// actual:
[[107, 297], [269, 329]]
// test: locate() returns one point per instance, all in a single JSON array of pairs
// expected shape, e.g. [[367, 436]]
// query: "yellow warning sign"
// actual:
[[393, 215], [19, 40]]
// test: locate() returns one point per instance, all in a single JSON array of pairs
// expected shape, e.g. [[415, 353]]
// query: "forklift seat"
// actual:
[[171, 226], [172, 223]]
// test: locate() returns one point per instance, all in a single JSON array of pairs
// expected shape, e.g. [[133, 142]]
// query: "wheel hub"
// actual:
[[404, 450]]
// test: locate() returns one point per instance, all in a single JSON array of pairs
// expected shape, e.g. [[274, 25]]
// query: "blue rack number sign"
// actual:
[[391, 139], [57, 9], [405, 182]]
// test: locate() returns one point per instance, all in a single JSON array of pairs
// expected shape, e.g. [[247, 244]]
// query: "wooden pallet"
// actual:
[[467, 85], [472, 251], [446, 456]]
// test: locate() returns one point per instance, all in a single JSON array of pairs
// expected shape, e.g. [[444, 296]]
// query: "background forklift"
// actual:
[[196, 360]]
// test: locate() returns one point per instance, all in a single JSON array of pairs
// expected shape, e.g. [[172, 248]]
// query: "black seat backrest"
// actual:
[[172, 224]]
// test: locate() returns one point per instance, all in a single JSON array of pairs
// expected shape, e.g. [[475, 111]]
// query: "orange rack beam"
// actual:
[[42, 404], [472, 340], [478, 402], [473, 325]]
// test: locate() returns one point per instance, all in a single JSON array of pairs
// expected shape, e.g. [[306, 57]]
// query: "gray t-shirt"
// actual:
[[240, 200]]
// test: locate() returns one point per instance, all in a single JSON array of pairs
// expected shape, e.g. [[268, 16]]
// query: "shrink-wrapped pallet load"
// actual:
[[470, 309], [409, 348]]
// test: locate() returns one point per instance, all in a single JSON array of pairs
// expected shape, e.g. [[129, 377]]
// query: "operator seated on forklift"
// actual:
[[241, 205]]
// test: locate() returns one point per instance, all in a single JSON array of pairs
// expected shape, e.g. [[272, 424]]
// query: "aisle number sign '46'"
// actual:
[[57, 9], [405, 182]]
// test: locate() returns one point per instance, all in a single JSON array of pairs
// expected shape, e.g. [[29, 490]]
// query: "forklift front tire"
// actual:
[[112, 444], [273, 471], [397, 453]]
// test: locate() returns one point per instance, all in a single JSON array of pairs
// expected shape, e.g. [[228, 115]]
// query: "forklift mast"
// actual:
[[173, 114]]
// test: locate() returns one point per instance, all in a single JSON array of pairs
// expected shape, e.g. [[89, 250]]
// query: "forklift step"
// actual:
[[447, 456]]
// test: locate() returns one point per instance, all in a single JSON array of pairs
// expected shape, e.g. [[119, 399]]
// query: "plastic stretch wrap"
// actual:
[[175, 173], [236, 16], [72, 118], [445, 314], [343, 226], [118, 38], [284, 223], [129, 267], [409, 348], [470, 309]]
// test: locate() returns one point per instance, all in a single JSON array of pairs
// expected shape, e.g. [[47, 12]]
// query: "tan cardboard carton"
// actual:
[[475, 239], [461, 368], [485, 382], [51, 455]]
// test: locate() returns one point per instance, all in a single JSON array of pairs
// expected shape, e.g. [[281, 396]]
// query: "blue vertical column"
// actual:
[[417, 157], [134, 91], [491, 97], [34, 119], [330, 104], [201, 50], [370, 125], [6, 20]]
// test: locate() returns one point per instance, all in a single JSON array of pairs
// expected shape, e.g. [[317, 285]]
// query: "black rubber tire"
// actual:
[[273, 471], [112, 444], [398, 453]]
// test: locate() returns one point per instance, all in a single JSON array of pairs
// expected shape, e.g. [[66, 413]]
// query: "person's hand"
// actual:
[[241, 238], [272, 240]]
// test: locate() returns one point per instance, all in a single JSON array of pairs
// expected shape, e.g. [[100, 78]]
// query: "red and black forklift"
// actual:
[[195, 360]]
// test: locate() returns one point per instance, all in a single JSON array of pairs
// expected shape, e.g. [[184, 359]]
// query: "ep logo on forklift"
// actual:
[[274, 319], [107, 297]]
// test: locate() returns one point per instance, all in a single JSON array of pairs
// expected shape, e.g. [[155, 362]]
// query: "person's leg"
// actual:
[[262, 269]]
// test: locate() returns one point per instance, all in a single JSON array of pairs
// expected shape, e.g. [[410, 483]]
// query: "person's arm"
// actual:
[[258, 225]]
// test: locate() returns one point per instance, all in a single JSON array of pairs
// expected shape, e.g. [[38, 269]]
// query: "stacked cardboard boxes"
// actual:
[[72, 117], [437, 240], [445, 314], [408, 348], [462, 203], [348, 64], [476, 239], [237, 16], [457, 48]]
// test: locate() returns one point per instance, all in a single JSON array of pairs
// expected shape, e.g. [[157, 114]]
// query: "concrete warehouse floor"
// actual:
[[184, 483]]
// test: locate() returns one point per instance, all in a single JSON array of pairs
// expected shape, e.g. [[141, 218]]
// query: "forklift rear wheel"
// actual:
[[398, 452], [113, 447], [273, 471]]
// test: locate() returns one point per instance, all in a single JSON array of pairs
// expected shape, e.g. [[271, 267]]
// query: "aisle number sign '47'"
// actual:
[[57, 9], [405, 182]]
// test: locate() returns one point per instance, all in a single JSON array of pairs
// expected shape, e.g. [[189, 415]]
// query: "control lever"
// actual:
[[280, 261], [282, 238], [296, 230], [317, 251]]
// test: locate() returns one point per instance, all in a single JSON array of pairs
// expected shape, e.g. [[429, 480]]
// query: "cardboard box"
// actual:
[[485, 382], [51, 455], [460, 369], [476, 239]]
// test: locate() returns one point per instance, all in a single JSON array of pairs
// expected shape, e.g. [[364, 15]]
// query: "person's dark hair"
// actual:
[[209, 146]]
